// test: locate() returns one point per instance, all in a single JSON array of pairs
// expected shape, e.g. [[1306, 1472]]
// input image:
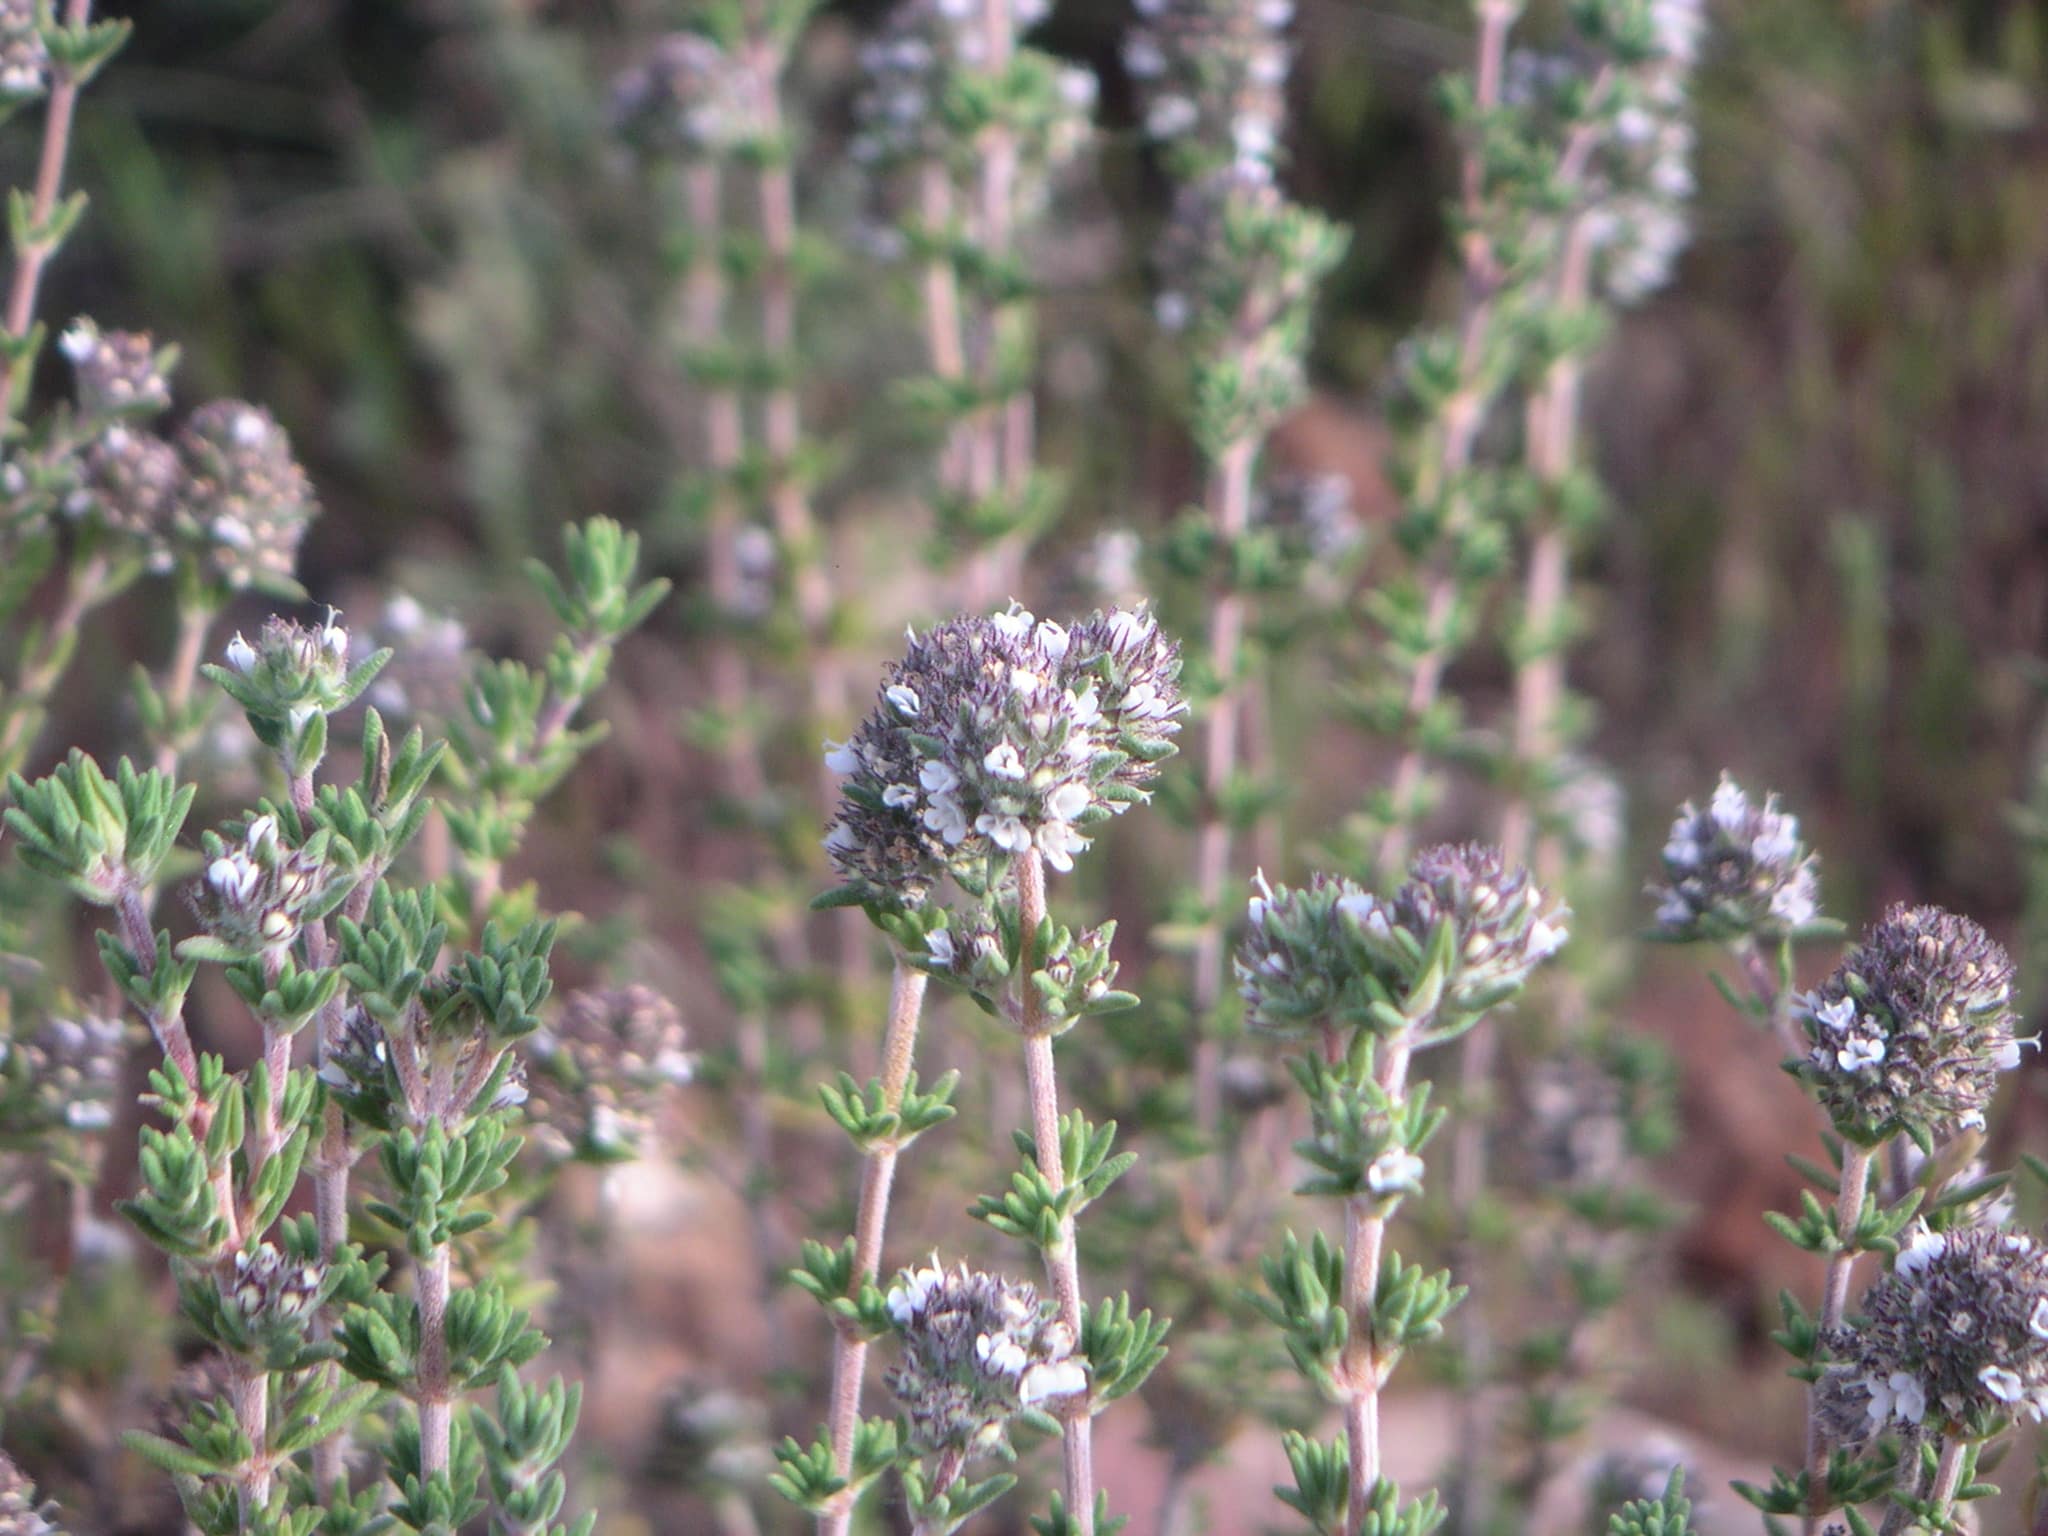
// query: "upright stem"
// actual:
[[1230, 495], [249, 1391], [436, 1392], [49, 186], [43, 668], [1062, 1262], [194, 620], [1834, 1302], [1365, 1231], [849, 1348]]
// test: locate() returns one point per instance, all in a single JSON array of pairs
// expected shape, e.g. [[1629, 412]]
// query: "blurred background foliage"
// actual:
[[405, 226]]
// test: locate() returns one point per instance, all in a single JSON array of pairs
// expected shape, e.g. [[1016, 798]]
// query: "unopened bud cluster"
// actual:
[[1954, 1340], [977, 1350], [24, 56], [998, 735], [256, 892], [270, 1289], [1735, 870], [245, 495], [1332, 953], [1913, 1028]]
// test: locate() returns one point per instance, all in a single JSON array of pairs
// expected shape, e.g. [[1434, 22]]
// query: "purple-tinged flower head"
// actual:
[[255, 893], [602, 1073], [1735, 870], [24, 55], [1912, 1030], [266, 1288], [118, 373], [977, 1350], [21, 1512], [1212, 75], [247, 502], [1954, 1341], [685, 97], [1501, 927], [995, 736], [1313, 955]]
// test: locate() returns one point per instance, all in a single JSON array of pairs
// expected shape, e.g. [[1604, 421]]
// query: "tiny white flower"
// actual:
[[939, 945], [903, 699], [1171, 116], [78, 341], [1729, 804], [1394, 1169], [1858, 1052], [937, 777], [1838, 1015], [241, 655], [233, 877], [1068, 801], [1879, 1408], [1545, 939], [840, 838], [945, 817], [899, 797], [1172, 311], [1003, 761], [1793, 903], [1003, 1355], [1062, 1378], [1672, 911], [1053, 639], [1059, 842], [1013, 625], [2003, 1384], [1777, 842], [247, 429], [1922, 1250], [841, 758], [2008, 1056], [1910, 1398], [1007, 832]]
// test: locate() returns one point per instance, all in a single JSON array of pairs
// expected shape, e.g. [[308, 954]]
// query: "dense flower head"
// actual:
[[977, 1349], [1954, 1339], [267, 1287], [130, 483], [118, 373], [1212, 73], [1735, 869], [1637, 220], [24, 55], [64, 1077], [255, 892], [684, 97], [602, 1072], [247, 499], [1331, 953], [1912, 1029], [998, 735]]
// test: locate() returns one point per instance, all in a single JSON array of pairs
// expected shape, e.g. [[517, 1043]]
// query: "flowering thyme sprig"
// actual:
[[1375, 979]]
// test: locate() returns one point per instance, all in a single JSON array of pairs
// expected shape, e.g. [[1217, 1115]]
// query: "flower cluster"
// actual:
[[1735, 869], [245, 496], [1636, 219], [602, 1072], [1212, 72], [1955, 1338], [268, 1287], [1332, 953], [1912, 1029], [24, 55], [21, 1512], [977, 1349], [256, 892], [997, 735], [684, 98], [63, 1078], [117, 372]]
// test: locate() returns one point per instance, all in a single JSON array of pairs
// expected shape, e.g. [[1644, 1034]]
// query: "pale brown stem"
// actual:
[[1834, 1302], [436, 1393], [49, 186], [1062, 1261], [849, 1349], [1230, 496], [249, 1391], [1365, 1231]]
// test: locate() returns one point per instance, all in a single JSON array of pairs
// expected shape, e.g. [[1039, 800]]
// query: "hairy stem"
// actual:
[[436, 1394], [1230, 495], [1365, 1231], [849, 1349], [249, 1391], [1834, 1302], [1062, 1262]]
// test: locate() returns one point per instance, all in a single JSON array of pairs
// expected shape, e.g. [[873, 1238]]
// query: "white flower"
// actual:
[[903, 699], [1062, 1378], [2037, 1324], [1003, 761], [1672, 911], [1059, 842], [1014, 625], [1777, 842], [1729, 804], [945, 817], [937, 777], [1003, 1355], [1910, 1396], [1924, 1248], [1793, 903], [908, 1296], [241, 655], [899, 797], [1838, 1015], [1171, 116], [1545, 939], [939, 945], [1858, 1052], [1068, 801], [1879, 1408], [840, 838], [1007, 832], [233, 877], [2001, 1383], [2008, 1056], [1394, 1169], [841, 758], [1053, 639], [1172, 311]]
